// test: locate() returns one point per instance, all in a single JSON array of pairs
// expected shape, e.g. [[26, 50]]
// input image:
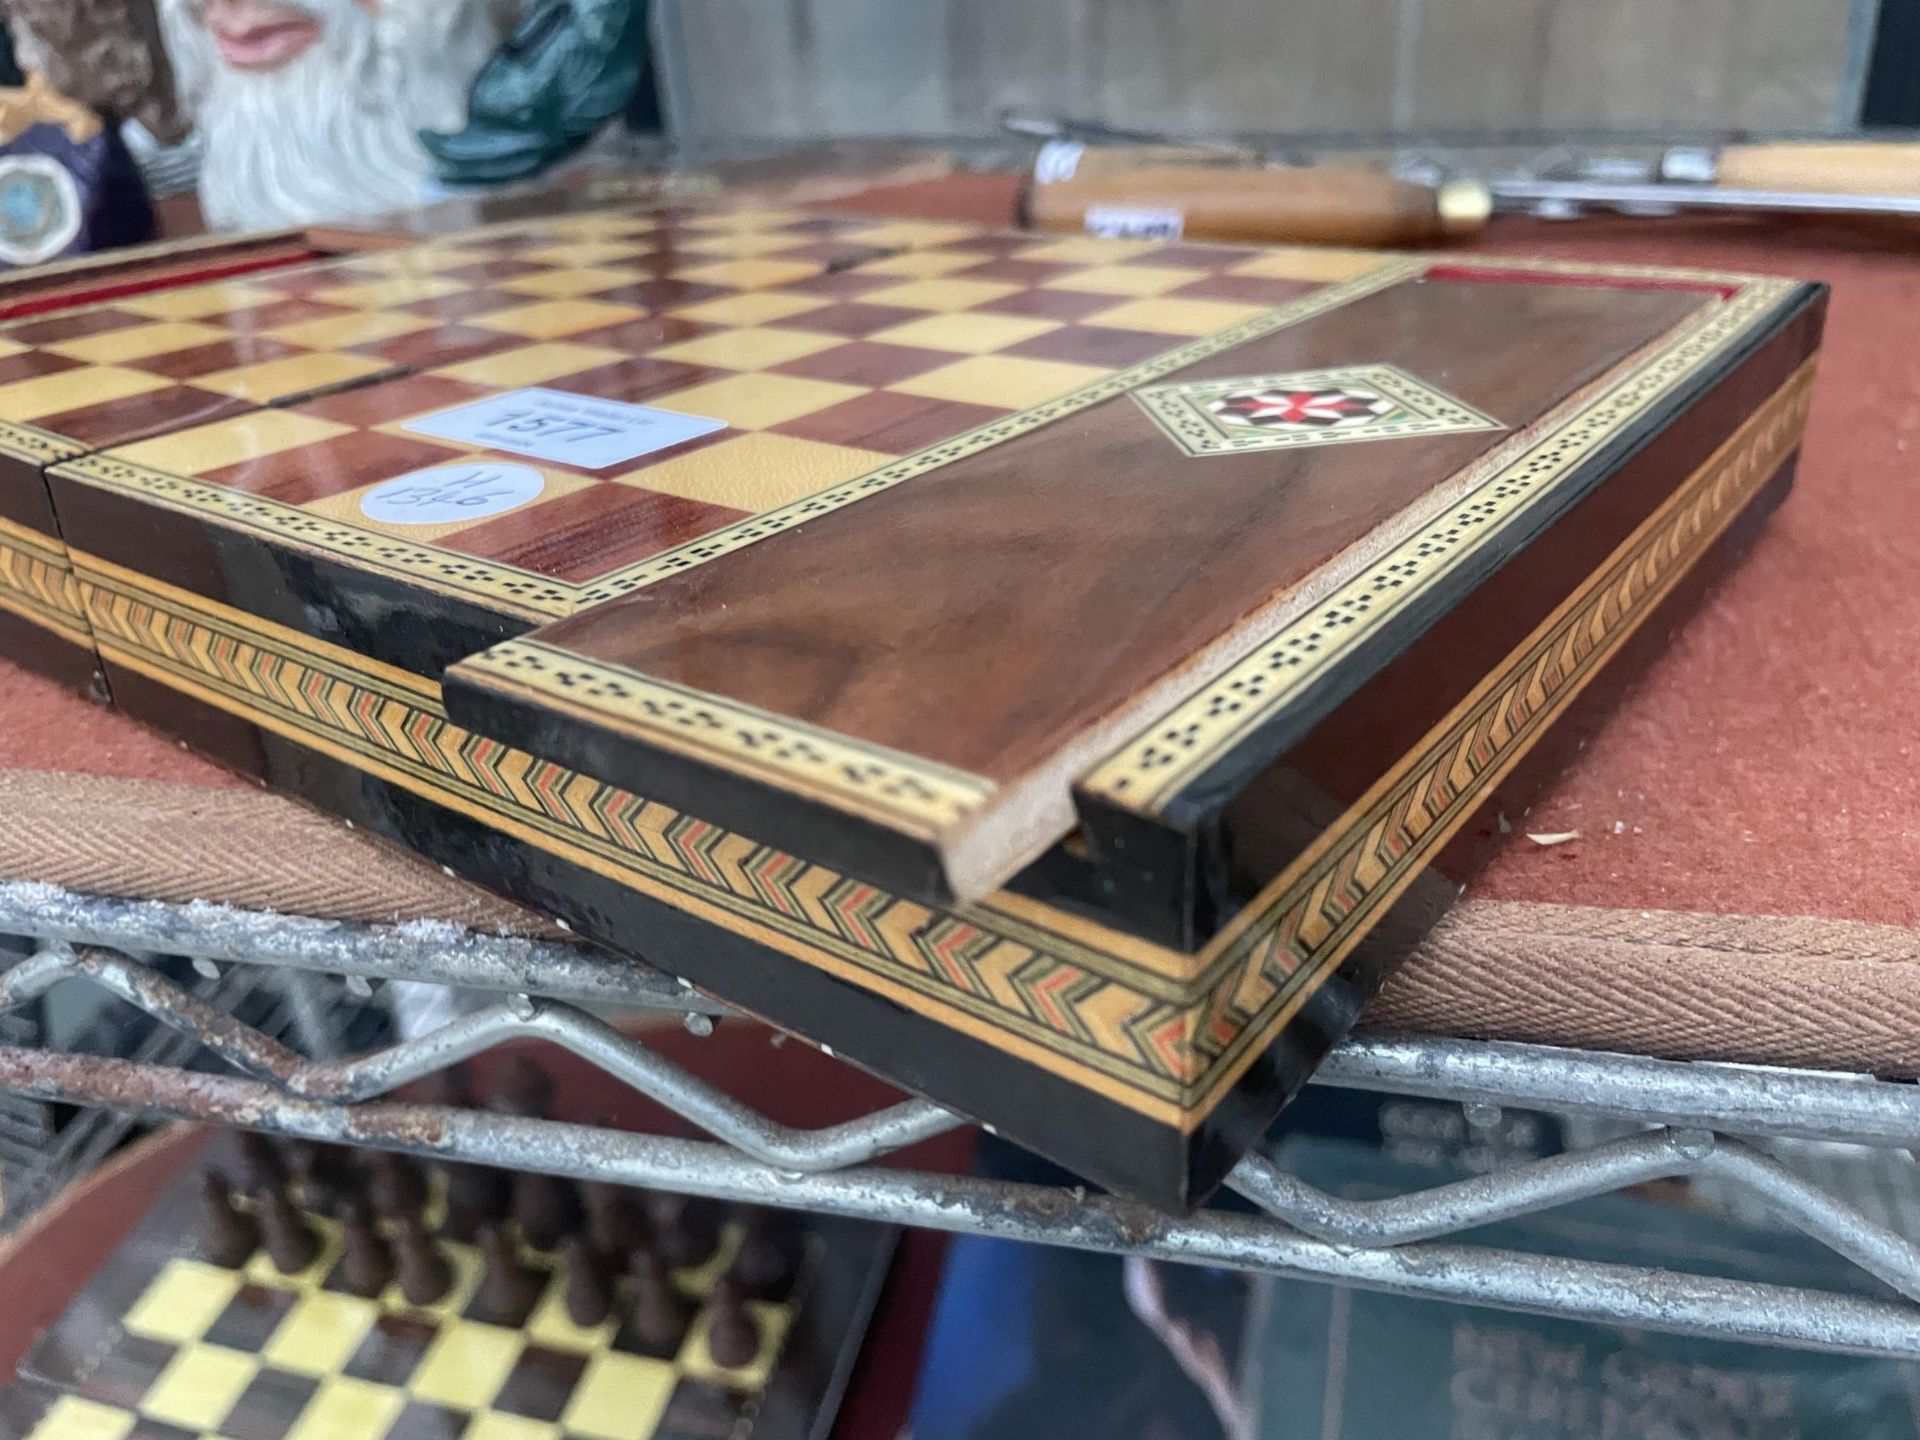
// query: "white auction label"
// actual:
[[1135, 222], [573, 429], [450, 494]]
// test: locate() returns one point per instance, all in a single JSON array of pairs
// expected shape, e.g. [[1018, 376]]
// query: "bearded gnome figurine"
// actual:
[[312, 110]]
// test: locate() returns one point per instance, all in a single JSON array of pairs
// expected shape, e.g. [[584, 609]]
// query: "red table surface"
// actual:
[[1765, 765]]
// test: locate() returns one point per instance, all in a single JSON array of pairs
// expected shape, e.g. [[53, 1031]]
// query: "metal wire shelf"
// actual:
[[1704, 1121]]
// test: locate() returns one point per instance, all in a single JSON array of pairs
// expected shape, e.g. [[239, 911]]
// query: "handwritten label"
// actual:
[[1135, 222], [573, 429], [450, 494]]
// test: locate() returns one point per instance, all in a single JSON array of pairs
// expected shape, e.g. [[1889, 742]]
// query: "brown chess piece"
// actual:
[[684, 1233], [733, 1335], [424, 1274], [764, 1261], [396, 1185], [547, 1209], [228, 1235], [614, 1222], [366, 1262], [656, 1314], [292, 1243], [477, 1196], [508, 1286], [589, 1287], [523, 1088], [324, 1175], [262, 1166]]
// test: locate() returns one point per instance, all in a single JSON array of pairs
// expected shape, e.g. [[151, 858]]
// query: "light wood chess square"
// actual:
[[752, 348], [199, 1386], [1007, 381], [1308, 262], [290, 375], [467, 1364], [531, 364], [137, 342], [756, 307], [184, 1299], [1126, 279], [555, 319], [72, 389], [921, 264], [757, 471], [355, 327], [581, 253], [194, 302], [207, 448], [969, 332], [748, 274], [1175, 317], [345, 1406], [939, 294], [72, 1418], [320, 1333], [387, 294], [619, 1397], [754, 402], [570, 283]]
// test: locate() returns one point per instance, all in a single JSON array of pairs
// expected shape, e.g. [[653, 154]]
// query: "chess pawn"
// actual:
[[396, 1185], [685, 1234], [324, 1174], [423, 1272], [477, 1196], [291, 1242], [366, 1263], [656, 1314], [589, 1289], [733, 1336], [763, 1263], [547, 1209], [614, 1223], [508, 1286], [262, 1167], [229, 1236]]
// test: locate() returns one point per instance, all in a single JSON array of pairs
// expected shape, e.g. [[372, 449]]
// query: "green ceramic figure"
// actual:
[[568, 68]]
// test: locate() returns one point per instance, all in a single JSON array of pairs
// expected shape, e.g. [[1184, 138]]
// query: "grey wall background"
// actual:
[[790, 69]]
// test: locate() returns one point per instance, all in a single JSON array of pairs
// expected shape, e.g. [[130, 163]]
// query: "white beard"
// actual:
[[333, 133]]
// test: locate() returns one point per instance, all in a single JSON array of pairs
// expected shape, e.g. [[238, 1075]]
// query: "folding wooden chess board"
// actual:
[[1063, 675], [162, 1344]]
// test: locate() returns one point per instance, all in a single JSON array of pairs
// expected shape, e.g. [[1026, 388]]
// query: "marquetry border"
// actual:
[[533, 596], [1162, 1033], [1180, 410], [1147, 773], [37, 583], [36, 447]]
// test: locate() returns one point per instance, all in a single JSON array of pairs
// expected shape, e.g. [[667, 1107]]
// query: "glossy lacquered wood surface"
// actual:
[[985, 614]]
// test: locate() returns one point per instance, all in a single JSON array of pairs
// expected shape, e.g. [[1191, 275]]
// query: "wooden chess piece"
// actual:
[[614, 1222], [229, 1236], [477, 1196], [764, 1262], [424, 1274], [262, 1166], [733, 1335], [546, 1207], [366, 1262], [523, 1088], [508, 1286], [396, 1185], [656, 1314], [684, 1233], [324, 1175], [589, 1287], [292, 1243]]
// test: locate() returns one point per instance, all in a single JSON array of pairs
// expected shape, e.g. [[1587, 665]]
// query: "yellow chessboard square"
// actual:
[[1126, 279], [1176, 317], [757, 471], [356, 327], [567, 284], [499, 1425], [581, 254], [206, 448], [696, 1359], [1087, 250], [531, 364], [467, 1364], [756, 307], [290, 375], [389, 294], [183, 1300], [73, 389], [748, 219], [619, 1397], [970, 332], [755, 402], [137, 342], [321, 1332], [71, 1418], [195, 302], [1309, 262], [555, 319], [1008, 381], [742, 243], [199, 1386], [918, 234], [753, 348], [748, 274], [345, 1409], [939, 294]]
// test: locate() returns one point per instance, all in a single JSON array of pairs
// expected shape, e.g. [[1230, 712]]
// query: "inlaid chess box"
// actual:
[[1061, 675]]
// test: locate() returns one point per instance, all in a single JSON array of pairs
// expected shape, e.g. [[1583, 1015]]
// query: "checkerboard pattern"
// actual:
[[217, 1354], [825, 347]]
